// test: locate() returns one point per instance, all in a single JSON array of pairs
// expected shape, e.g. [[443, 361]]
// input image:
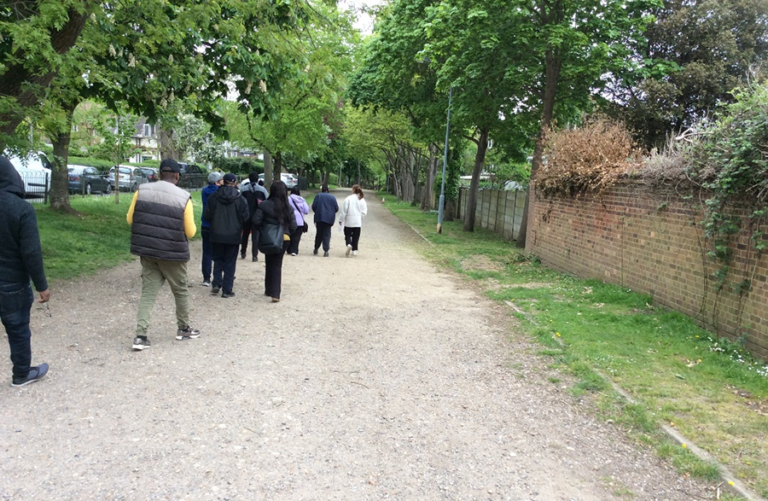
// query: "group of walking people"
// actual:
[[275, 222], [162, 222]]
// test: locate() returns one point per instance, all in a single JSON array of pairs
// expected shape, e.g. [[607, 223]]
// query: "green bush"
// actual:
[[240, 165], [101, 164]]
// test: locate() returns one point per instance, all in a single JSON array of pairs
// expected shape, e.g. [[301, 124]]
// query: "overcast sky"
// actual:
[[364, 22]]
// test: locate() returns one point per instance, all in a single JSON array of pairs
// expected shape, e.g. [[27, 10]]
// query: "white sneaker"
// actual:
[[349, 249], [354, 253]]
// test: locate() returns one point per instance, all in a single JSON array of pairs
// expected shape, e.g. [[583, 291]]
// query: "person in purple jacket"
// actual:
[[300, 209]]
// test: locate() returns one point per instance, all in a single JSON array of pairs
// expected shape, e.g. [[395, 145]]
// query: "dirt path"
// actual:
[[375, 377]]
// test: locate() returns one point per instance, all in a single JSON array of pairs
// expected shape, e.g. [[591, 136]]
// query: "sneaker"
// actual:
[[242, 255], [206, 283], [225, 295], [255, 259], [215, 290], [275, 299], [140, 343], [349, 249], [187, 334], [315, 252], [354, 253], [293, 253], [325, 254], [35, 374]]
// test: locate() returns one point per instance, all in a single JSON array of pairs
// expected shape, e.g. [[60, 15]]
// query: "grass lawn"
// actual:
[[677, 373]]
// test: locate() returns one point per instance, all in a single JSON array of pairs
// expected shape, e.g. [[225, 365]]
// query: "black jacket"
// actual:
[[254, 198], [266, 214], [21, 255], [227, 210]]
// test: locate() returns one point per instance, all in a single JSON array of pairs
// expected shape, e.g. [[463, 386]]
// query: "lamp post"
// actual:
[[441, 202]]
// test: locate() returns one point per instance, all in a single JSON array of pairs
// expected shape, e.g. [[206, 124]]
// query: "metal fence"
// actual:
[[500, 211], [37, 185]]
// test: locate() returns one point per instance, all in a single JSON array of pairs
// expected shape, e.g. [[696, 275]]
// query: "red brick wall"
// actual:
[[650, 240]]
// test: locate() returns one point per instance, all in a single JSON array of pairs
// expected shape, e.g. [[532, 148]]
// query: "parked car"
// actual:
[[290, 180], [87, 180], [130, 177], [151, 174], [35, 171], [192, 176]]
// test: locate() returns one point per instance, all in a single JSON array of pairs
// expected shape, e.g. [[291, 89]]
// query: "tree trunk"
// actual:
[[553, 64], [427, 197], [449, 210], [267, 170], [482, 147], [167, 145], [277, 167], [27, 84], [59, 174]]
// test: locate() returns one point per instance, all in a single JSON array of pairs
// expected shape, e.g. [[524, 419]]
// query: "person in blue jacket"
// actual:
[[325, 208], [214, 181]]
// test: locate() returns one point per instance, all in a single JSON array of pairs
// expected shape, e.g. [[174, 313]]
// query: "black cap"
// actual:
[[230, 178], [169, 165]]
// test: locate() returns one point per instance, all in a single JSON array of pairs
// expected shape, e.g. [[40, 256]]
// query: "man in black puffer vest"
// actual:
[[162, 221], [21, 257], [227, 211]]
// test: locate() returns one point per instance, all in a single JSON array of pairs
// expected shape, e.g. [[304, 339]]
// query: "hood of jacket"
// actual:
[[227, 194], [10, 180]]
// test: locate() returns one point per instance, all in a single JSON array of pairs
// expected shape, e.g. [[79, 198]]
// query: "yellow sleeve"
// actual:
[[129, 217], [190, 228]]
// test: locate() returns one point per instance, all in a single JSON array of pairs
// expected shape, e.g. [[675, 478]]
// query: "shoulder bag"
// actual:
[[271, 239]]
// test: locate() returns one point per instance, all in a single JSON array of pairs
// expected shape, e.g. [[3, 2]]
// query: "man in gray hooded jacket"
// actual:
[[21, 259]]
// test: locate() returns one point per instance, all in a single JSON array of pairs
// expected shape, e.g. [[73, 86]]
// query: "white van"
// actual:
[[35, 171]]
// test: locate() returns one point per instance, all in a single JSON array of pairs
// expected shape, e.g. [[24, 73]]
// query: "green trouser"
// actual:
[[154, 272]]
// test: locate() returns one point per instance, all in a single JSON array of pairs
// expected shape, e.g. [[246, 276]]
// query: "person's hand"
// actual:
[[45, 296]]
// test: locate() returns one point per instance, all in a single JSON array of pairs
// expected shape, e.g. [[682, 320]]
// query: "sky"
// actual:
[[364, 22]]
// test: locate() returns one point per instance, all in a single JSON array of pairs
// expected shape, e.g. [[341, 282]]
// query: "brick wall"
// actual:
[[500, 211], [651, 240]]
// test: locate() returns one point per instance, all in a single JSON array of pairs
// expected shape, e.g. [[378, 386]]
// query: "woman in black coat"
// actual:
[[275, 211]]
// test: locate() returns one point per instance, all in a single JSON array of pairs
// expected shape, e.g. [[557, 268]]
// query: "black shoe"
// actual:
[[242, 255], [255, 259], [315, 252], [225, 295], [187, 334], [325, 254], [35, 374], [141, 343], [215, 290]]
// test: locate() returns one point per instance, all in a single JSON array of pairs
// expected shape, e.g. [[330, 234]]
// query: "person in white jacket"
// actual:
[[353, 210]]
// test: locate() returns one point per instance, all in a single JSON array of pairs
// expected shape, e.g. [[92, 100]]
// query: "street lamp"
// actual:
[[441, 202]]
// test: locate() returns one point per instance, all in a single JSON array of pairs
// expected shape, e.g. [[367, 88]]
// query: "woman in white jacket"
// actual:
[[353, 210]]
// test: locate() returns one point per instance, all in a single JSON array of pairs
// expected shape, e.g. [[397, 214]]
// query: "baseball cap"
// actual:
[[230, 178], [214, 177], [169, 165]]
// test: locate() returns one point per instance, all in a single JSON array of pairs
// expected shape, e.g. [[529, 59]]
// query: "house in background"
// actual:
[[146, 142]]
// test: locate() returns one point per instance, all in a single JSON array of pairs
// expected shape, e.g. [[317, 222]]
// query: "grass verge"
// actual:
[[677, 373], [97, 237]]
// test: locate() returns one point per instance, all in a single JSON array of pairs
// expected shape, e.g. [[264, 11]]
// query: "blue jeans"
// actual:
[[15, 305], [207, 254]]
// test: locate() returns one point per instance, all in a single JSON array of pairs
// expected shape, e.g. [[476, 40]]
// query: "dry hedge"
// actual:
[[590, 158]]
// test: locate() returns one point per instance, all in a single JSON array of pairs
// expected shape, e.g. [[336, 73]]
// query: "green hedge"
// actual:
[[240, 165], [101, 164]]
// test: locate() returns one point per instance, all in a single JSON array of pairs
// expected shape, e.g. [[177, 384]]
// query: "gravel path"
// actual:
[[375, 377]]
